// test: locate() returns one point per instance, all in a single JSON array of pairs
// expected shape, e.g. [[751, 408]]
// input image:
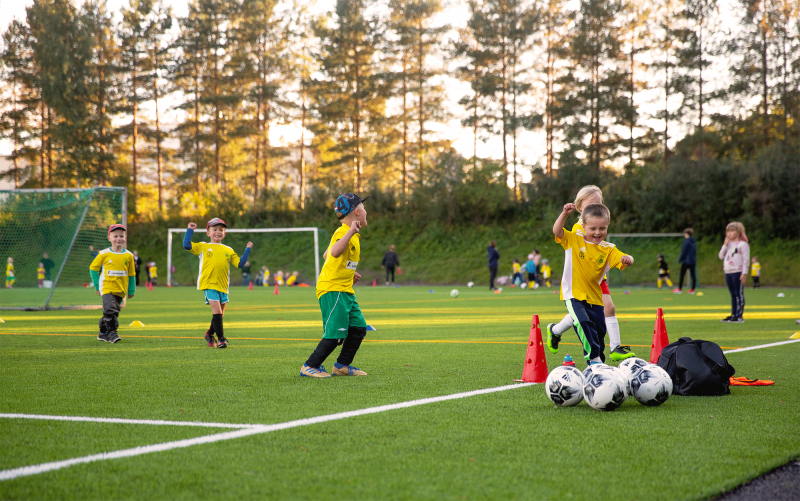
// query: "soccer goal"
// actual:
[[645, 248], [55, 228], [279, 249]]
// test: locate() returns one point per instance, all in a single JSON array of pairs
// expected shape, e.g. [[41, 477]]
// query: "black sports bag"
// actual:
[[696, 367]]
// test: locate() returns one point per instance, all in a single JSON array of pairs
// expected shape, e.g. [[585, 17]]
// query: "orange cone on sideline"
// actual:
[[276, 289], [150, 286], [660, 339], [250, 286], [535, 369], [374, 283]]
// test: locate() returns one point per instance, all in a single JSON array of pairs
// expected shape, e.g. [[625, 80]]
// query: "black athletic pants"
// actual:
[[737, 293], [388, 270], [691, 268], [492, 276]]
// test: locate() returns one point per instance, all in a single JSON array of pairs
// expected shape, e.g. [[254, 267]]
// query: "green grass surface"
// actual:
[[513, 444]]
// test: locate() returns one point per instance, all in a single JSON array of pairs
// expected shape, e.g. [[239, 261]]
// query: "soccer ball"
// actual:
[[564, 386], [629, 366], [470, 284], [603, 387], [651, 385], [523, 286], [454, 293], [535, 285]]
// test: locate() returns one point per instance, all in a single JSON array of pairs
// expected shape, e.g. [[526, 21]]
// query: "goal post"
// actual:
[[645, 248], [264, 251], [55, 227]]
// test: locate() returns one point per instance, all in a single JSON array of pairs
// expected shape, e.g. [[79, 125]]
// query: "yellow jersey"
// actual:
[[114, 269], [291, 280], [546, 271], [585, 265], [153, 271], [515, 267], [215, 265], [266, 277], [755, 269], [40, 273], [338, 272], [10, 270]]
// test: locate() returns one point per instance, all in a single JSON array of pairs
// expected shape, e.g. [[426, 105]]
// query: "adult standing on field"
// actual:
[[688, 260], [493, 257], [137, 265], [390, 262]]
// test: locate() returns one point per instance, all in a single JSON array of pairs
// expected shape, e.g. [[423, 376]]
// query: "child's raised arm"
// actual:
[[558, 226], [339, 247], [187, 239]]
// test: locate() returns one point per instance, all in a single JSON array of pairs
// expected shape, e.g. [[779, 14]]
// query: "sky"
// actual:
[[531, 145]]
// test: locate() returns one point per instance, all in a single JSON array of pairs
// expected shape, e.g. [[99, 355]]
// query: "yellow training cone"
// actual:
[[699, 294], [2, 321], [137, 323], [796, 335]]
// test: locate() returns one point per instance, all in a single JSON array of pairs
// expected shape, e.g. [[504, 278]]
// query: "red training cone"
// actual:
[[660, 339], [250, 287], [276, 288], [150, 286], [535, 369], [374, 283]]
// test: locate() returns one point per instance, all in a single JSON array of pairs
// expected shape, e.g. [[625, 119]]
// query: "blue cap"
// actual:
[[346, 203]]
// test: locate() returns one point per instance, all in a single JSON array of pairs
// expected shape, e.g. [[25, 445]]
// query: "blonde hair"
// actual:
[[586, 192], [738, 228]]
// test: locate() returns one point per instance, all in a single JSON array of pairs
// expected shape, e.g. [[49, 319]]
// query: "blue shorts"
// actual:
[[214, 295]]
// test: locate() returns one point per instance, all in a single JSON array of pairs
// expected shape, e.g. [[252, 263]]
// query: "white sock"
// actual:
[[596, 359], [612, 326], [563, 326]]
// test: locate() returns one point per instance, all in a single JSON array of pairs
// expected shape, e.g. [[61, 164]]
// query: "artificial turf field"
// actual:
[[508, 444]]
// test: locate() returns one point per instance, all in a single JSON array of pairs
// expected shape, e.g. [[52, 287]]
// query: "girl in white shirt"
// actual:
[[735, 256]]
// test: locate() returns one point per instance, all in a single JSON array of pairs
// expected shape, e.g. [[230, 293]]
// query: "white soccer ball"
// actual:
[[628, 367], [651, 385], [523, 286], [535, 285], [604, 387], [454, 293], [564, 386], [470, 284]]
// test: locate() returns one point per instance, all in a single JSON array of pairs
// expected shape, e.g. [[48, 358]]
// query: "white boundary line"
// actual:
[[254, 430], [128, 421], [246, 430]]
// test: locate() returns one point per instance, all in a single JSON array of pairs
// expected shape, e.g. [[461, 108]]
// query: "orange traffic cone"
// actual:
[[250, 286], [535, 369], [660, 339], [150, 286], [276, 288], [374, 283]]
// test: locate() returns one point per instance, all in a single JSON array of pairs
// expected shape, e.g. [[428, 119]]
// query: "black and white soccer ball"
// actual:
[[564, 386], [651, 385], [628, 367], [604, 387]]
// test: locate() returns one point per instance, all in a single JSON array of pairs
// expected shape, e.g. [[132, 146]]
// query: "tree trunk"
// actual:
[[160, 179], [357, 117], [405, 123], [196, 125], [135, 131], [421, 95], [43, 141]]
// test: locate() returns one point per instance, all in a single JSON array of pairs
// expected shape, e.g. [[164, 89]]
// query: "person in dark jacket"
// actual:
[[493, 257], [137, 265], [688, 260], [390, 262]]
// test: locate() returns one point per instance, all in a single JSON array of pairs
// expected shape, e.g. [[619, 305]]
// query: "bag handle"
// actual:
[[715, 367]]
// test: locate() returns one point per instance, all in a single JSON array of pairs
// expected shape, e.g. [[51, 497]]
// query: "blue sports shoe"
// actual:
[[346, 370], [313, 371]]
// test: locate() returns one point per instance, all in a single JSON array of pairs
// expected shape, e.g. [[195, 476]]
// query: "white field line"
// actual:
[[256, 429], [762, 346], [128, 421]]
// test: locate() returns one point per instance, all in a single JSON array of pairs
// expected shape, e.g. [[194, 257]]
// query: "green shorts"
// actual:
[[340, 311]]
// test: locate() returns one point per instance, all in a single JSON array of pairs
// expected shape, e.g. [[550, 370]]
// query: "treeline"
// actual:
[[84, 95]]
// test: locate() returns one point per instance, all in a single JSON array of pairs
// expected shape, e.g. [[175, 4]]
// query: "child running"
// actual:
[[342, 321], [735, 256], [111, 271], [663, 271], [215, 274], [588, 257], [593, 195]]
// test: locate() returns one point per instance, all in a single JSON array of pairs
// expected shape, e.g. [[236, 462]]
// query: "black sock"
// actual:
[[323, 350], [211, 329], [216, 326], [354, 337]]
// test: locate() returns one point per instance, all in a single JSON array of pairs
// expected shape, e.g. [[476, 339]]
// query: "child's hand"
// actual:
[[743, 278], [356, 226], [727, 240], [626, 260], [97, 292], [568, 208], [356, 277], [130, 296], [91, 248], [192, 226], [249, 245]]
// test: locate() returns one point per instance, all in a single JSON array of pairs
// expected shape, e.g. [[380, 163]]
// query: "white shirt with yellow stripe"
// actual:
[[585, 265], [114, 268], [215, 265]]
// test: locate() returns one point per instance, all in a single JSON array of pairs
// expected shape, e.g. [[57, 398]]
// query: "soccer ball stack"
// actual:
[[605, 388]]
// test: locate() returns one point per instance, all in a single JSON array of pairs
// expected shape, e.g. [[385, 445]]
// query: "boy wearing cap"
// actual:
[[110, 271], [215, 273], [342, 321]]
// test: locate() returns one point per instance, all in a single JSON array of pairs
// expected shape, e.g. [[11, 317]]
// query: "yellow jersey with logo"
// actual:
[[215, 265], [114, 269], [585, 265], [546, 271], [755, 269], [337, 272]]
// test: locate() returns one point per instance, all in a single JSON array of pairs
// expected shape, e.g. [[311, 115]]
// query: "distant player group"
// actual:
[[584, 290]]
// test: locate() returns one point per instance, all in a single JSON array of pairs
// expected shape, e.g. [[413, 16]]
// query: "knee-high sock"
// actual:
[[563, 326], [354, 337], [659, 283], [211, 329], [216, 322], [323, 350], [612, 325], [669, 282]]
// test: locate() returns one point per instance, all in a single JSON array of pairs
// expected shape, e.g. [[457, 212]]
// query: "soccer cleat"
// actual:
[[727, 319], [691, 291], [676, 291], [223, 343], [212, 342], [314, 372], [102, 336], [621, 353], [737, 320], [346, 370], [552, 339], [113, 337]]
